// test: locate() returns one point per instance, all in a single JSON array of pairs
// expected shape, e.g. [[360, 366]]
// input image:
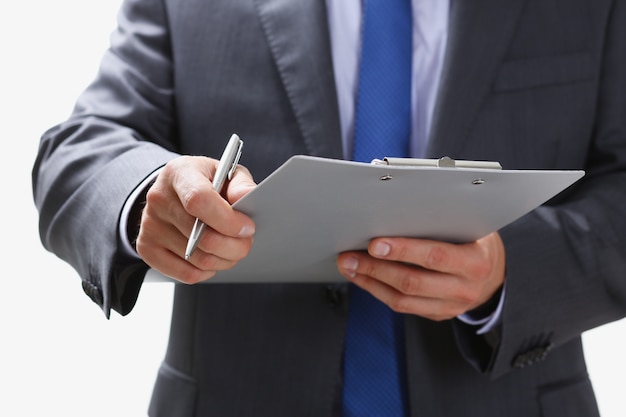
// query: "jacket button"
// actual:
[[93, 292]]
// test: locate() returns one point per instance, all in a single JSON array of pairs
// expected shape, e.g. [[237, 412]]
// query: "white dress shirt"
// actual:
[[430, 32]]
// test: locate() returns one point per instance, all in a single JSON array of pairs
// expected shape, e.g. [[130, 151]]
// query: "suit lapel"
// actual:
[[297, 33], [480, 31]]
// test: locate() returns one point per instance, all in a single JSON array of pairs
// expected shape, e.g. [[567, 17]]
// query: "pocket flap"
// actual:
[[544, 71], [576, 399]]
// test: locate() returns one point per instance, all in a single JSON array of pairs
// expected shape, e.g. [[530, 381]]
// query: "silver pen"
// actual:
[[225, 170]]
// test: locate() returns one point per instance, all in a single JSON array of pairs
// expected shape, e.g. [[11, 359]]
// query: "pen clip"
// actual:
[[232, 169]]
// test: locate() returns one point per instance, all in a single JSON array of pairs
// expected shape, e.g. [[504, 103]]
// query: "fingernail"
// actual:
[[381, 249], [350, 265], [247, 231]]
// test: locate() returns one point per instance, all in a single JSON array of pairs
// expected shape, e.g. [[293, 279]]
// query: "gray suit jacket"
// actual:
[[529, 83]]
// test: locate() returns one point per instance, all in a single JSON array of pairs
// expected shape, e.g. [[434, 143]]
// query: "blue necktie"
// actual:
[[373, 383]]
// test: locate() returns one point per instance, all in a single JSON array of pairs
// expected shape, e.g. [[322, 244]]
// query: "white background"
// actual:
[[58, 354]]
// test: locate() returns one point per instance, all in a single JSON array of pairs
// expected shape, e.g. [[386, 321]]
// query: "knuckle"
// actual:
[[210, 240], [436, 258], [169, 169], [156, 197], [141, 248], [207, 262], [369, 269], [466, 296], [191, 200], [402, 251], [482, 269], [408, 284], [399, 304]]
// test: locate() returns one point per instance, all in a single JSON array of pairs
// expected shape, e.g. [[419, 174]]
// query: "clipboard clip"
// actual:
[[444, 162]]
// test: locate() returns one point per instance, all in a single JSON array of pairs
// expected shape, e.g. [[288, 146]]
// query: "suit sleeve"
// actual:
[[120, 131]]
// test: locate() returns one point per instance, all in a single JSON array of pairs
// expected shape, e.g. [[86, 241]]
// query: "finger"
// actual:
[[164, 251], [225, 248], [158, 248], [477, 269], [434, 308], [403, 278], [213, 210], [215, 251], [450, 258], [240, 184], [220, 216], [190, 181], [171, 265]]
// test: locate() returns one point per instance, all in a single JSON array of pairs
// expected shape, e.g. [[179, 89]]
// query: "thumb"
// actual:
[[240, 184]]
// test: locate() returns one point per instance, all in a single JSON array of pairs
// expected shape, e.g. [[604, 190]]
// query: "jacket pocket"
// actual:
[[174, 394], [544, 71], [571, 400]]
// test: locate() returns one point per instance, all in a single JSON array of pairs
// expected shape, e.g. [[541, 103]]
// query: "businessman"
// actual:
[[491, 327]]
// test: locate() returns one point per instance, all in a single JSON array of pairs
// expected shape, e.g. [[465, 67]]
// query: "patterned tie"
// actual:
[[373, 382]]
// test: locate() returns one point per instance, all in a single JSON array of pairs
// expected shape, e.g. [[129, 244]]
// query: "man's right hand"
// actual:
[[181, 193]]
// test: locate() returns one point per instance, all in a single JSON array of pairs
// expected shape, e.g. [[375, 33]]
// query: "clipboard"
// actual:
[[311, 208]]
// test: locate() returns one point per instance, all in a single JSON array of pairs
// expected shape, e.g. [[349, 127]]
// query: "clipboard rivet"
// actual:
[[478, 181], [386, 177]]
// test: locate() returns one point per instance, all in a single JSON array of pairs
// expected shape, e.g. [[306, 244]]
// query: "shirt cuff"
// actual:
[[488, 322], [131, 202]]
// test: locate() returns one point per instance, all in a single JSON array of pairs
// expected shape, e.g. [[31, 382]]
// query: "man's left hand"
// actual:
[[432, 279]]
